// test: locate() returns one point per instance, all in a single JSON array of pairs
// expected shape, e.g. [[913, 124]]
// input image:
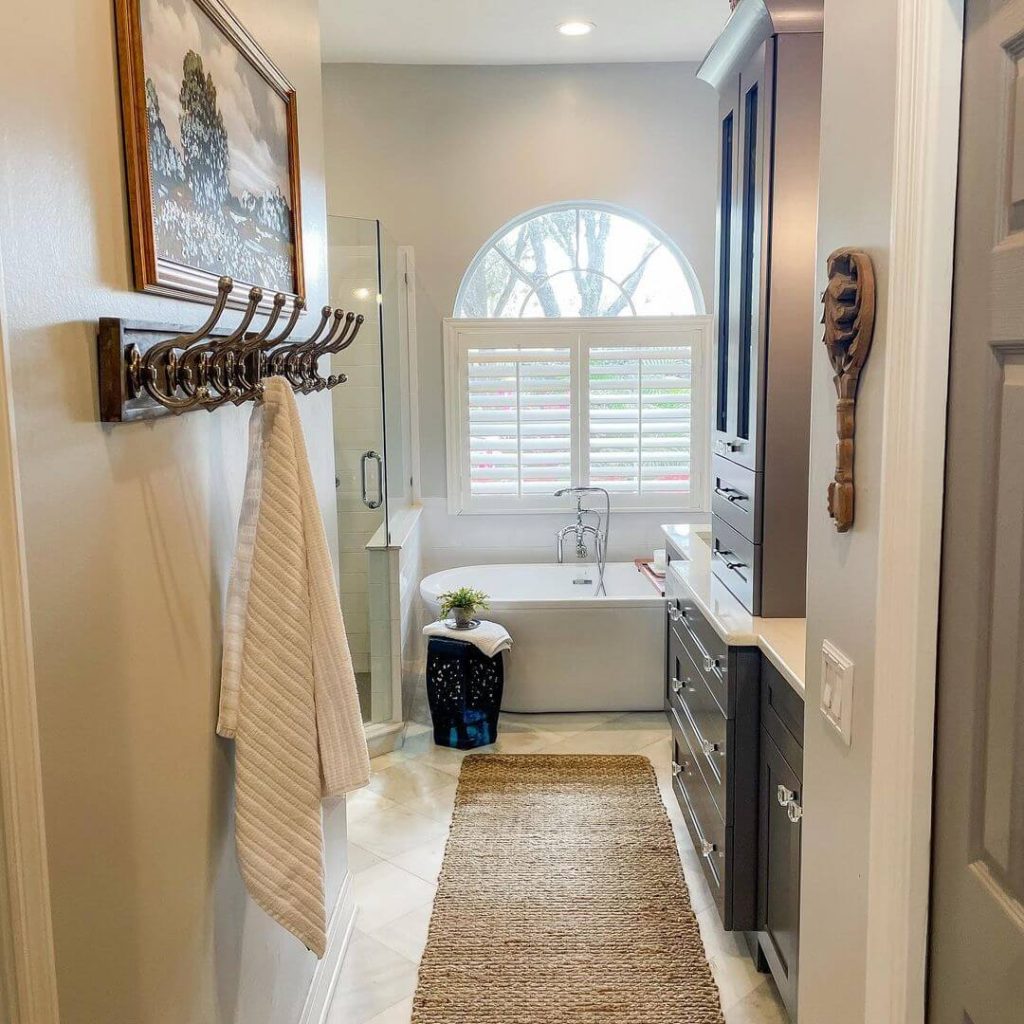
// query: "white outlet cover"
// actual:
[[837, 690]]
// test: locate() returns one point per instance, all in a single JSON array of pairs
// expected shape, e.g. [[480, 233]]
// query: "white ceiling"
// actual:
[[517, 31]]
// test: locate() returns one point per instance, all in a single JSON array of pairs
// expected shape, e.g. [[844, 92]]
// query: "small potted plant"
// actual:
[[462, 604]]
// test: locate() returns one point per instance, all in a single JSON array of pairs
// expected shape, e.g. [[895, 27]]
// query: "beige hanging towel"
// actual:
[[288, 691]]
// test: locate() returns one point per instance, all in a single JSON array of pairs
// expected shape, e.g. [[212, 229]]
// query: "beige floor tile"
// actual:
[[360, 859], [410, 781], [602, 741], [400, 1013], [424, 861], [762, 1006], [373, 979], [365, 803], [560, 723], [386, 892], [394, 830], [407, 934]]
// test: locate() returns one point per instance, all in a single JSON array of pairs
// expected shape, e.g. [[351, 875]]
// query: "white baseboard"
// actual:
[[325, 977]]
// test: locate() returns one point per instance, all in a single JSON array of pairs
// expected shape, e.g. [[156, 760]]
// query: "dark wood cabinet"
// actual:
[[767, 71], [711, 700], [780, 818]]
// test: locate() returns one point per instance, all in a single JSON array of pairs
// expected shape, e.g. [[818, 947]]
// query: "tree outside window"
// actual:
[[578, 260]]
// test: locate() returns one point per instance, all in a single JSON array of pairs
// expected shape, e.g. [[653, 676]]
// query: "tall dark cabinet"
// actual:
[[767, 70]]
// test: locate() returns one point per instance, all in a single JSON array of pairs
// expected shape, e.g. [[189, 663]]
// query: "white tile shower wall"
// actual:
[[452, 541]]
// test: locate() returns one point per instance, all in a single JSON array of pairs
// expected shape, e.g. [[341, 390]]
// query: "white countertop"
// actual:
[[783, 641]]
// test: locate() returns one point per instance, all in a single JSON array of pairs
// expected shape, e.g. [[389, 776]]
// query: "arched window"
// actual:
[[579, 260]]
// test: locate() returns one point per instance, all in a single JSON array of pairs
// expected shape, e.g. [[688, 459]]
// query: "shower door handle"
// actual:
[[373, 503]]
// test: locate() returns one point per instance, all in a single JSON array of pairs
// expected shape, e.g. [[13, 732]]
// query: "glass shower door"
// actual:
[[360, 459]]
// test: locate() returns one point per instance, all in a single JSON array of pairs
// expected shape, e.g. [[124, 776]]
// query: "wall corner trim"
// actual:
[[325, 977], [29, 964], [929, 54]]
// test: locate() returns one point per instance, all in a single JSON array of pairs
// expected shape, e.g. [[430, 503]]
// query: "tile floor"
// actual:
[[397, 832]]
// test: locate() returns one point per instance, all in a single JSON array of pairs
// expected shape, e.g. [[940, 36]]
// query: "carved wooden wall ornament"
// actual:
[[849, 330]]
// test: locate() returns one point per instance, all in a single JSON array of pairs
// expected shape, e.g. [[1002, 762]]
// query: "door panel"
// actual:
[[977, 949], [725, 403]]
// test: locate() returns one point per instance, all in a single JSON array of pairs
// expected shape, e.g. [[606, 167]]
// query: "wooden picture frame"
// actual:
[[158, 266]]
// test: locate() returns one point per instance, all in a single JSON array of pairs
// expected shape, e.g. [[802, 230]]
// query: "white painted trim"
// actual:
[[929, 55], [407, 254], [696, 502], [24, 864], [328, 970]]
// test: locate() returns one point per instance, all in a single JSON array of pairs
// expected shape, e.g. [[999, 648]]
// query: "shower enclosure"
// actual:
[[371, 442]]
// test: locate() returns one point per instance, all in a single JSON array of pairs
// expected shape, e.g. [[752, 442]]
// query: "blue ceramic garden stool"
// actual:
[[464, 687]]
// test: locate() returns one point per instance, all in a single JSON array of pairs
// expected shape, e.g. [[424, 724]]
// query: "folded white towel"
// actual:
[[288, 690], [490, 637]]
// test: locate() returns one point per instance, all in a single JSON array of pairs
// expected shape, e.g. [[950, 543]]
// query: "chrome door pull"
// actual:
[[373, 503]]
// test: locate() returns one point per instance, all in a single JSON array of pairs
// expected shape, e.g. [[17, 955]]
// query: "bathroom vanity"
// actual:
[[734, 696]]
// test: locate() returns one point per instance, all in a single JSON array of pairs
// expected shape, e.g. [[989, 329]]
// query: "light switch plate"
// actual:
[[837, 690]]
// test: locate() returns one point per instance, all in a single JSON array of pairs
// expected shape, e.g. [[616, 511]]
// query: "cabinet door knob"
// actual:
[[707, 848], [786, 796], [795, 812]]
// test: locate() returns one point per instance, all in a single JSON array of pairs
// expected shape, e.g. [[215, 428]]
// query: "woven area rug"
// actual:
[[561, 901]]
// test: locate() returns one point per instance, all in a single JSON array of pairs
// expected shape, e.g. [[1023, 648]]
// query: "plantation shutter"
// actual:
[[639, 417], [519, 420]]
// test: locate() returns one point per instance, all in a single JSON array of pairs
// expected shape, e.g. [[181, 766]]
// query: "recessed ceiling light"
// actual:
[[576, 28]]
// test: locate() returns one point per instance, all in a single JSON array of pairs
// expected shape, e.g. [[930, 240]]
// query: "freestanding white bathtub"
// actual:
[[573, 651]]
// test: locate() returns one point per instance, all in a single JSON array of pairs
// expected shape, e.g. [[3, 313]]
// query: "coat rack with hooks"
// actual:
[[150, 370]]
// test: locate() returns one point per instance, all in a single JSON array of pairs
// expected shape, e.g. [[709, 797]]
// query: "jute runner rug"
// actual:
[[561, 901]]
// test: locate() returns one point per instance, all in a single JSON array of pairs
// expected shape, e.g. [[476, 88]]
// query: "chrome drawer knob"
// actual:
[[677, 769], [709, 663], [709, 748], [677, 686], [786, 796], [795, 812], [675, 614], [707, 848]]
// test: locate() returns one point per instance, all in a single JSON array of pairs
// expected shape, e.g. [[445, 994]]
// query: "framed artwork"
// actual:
[[211, 150]]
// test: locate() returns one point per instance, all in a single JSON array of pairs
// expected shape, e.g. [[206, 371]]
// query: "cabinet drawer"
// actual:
[[736, 561], [711, 764], [735, 498], [782, 714], [703, 822], [706, 728], [705, 648]]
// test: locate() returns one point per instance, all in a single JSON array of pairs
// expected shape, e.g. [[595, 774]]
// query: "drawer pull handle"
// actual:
[[677, 769], [675, 614], [711, 664], [795, 812], [786, 796], [726, 447], [707, 849], [730, 560], [731, 495], [677, 686], [709, 748]]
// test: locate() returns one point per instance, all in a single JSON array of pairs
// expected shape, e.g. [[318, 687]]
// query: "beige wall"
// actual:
[[445, 156], [130, 532], [855, 210]]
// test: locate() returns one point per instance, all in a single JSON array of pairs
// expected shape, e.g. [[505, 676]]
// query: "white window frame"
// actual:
[[461, 335]]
